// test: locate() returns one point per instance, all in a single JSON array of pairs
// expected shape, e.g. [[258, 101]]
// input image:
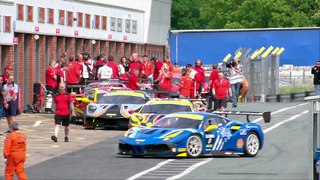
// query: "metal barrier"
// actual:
[[314, 137]]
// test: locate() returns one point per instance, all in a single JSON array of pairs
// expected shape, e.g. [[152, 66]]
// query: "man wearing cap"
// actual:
[[15, 148]]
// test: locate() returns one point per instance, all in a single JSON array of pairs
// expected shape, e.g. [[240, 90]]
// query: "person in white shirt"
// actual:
[[105, 72]]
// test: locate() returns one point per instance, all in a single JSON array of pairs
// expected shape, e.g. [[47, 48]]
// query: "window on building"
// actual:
[[41, 15], [119, 25], [104, 23], [50, 15], [128, 26], [97, 21], [134, 27], [70, 18], [0, 23], [7, 23], [80, 19], [30, 13], [112, 23], [20, 12], [61, 17], [88, 18]]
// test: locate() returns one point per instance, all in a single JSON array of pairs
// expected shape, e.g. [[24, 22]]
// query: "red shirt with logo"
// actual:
[[115, 69], [50, 81], [73, 74], [133, 66], [62, 101], [165, 82], [147, 68], [200, 70], [157, 69], [214, 75], [132, 84], [186, 83], [221, 87]]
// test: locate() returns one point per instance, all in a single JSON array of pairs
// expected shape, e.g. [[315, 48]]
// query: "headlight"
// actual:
[[129, 132], [139, 118], [172, 135], [92, 108]]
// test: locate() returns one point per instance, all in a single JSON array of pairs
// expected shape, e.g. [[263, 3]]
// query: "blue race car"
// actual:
[[193, 134]]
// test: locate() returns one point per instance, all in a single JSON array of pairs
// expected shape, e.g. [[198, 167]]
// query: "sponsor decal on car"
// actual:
[[240, 143], [243, 132]]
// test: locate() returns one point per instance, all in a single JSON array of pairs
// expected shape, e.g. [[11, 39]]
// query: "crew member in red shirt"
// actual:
[[213, 75], [165, 80], [63, 101], [185, 85], [51, 77], [220, 89], [98, 64], [79, 63], [168, 61], [73, 74], [61, 72], [157, 67], [114, 66], [135, 64], [147, 67], [134, 81], [8, 70], [196, 80]]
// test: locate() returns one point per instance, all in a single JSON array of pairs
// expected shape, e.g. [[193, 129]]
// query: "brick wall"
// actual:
[[20, 64], [61, 49], [70, 44], [80, 46], [52, 47], [31, 63], [87, 45], [42, 54], [104, 46], [112, 48], [119, 51], [155, 51], [97, 49], [127, 50]]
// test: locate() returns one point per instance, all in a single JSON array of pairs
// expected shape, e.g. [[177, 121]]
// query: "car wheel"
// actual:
[[194, 146], [252, 145]]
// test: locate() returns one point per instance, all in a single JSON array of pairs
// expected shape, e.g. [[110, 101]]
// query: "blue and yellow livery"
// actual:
[[193, 134]]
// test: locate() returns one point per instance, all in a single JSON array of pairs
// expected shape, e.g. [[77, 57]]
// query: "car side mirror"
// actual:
[[131, 111], [211, 127]]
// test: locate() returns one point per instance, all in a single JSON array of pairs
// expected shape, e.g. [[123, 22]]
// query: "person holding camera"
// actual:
[[10, 91], [165, 80], [235, 79], [316, 77], [64, 106], [87, 67]]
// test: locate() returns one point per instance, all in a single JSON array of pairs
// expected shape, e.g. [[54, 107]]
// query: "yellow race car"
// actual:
[[154, 109]]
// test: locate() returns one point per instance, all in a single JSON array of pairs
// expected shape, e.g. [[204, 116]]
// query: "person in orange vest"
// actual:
[[15, 148]]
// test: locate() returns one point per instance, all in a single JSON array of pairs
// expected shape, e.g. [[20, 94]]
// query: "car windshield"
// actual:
[[177, 122], [164, 108], [176, 80], [120, 99]]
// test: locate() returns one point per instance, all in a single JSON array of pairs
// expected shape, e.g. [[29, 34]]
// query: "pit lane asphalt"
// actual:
[[284, 155]]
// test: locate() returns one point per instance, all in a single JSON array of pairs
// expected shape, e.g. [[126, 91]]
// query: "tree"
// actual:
[[235, 14]]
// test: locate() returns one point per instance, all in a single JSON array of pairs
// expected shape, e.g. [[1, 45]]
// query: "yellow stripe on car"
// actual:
[[235, 128], [189, 116], [182, 155], [176, 102], [127, 93]]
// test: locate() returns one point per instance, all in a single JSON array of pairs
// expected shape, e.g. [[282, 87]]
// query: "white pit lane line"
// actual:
[[194, 166], [37, 123]]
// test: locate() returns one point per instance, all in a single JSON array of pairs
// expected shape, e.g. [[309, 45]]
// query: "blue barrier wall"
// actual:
[[302, 46]]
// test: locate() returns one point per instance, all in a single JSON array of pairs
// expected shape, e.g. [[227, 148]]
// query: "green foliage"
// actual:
[[235, 14], [295, 89]]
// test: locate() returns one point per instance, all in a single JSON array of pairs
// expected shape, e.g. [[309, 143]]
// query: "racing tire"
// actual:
[[194, 146], [251, 145]]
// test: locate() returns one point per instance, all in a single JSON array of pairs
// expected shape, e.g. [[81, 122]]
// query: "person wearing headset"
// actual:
[[198, 67]]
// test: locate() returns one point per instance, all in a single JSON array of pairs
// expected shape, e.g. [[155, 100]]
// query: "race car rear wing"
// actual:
[[265, 115]]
